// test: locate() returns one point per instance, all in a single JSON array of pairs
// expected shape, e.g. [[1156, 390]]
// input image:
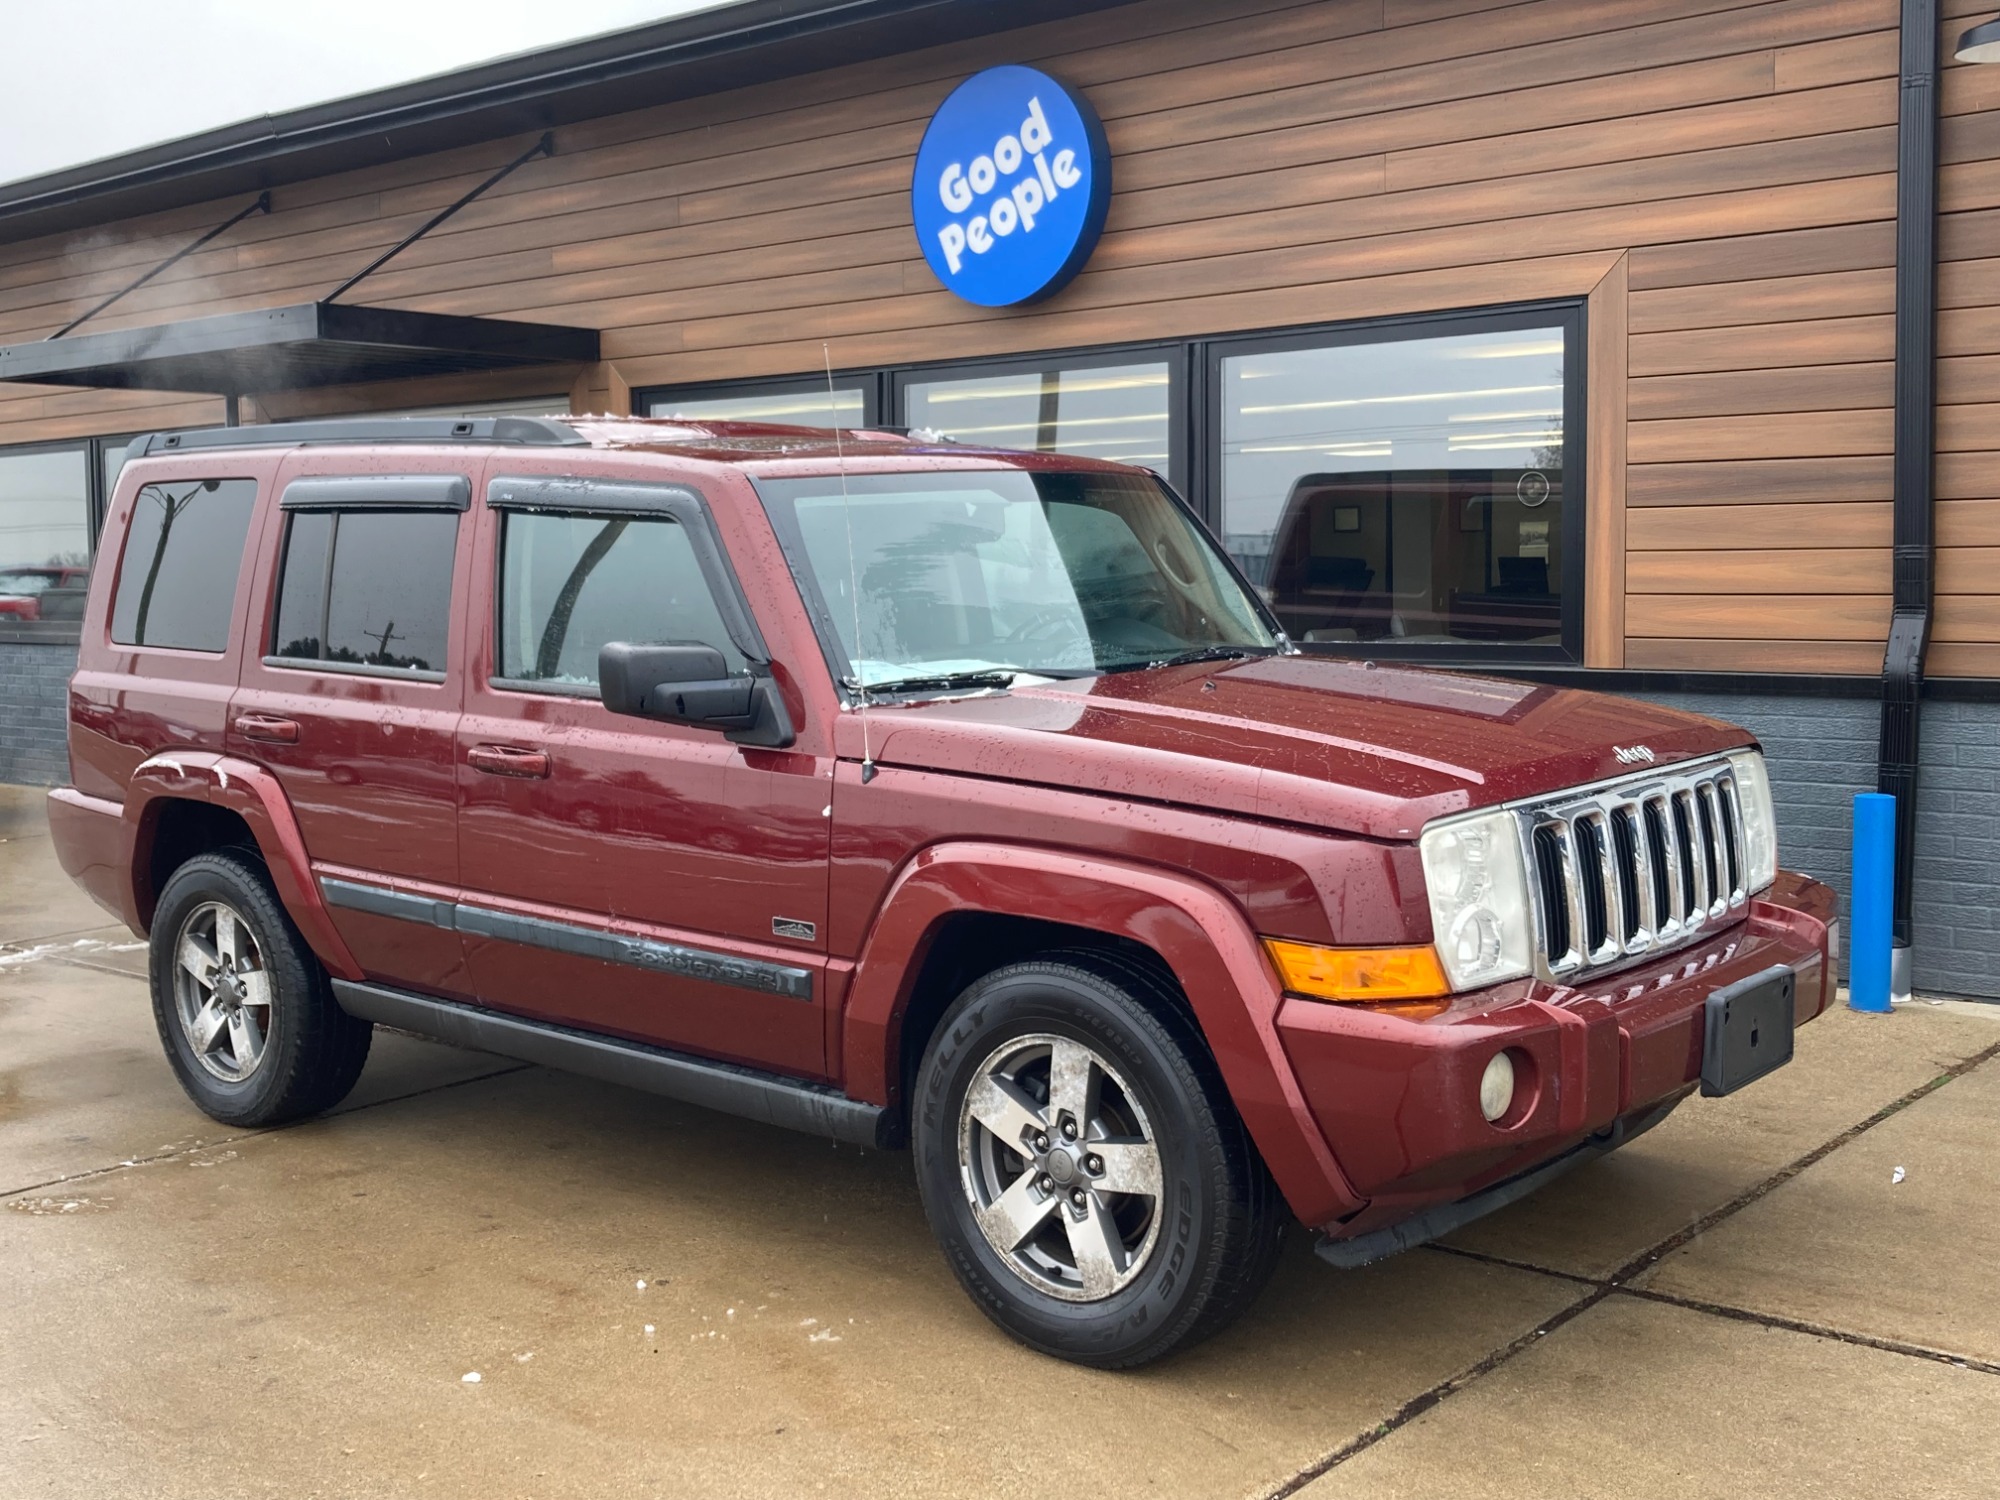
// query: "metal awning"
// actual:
[[292, 348]]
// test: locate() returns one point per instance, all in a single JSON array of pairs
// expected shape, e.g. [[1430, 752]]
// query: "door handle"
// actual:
[[269, 728], [508, 760]]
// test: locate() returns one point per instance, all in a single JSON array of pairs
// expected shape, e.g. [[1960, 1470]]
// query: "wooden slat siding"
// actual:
[[1968, 570], [1770, 346], [1770, 482], [1798, 527], [1967, 524], [1968, 618], [473, 216], [1828, 658], [1817, 388], [1955, 659], [1604, 479], [1785, 435], [1208, 219], [1780, 299], [1839, 617], [790, 114], [1731, 161], [1826, 569], [1969, 476]]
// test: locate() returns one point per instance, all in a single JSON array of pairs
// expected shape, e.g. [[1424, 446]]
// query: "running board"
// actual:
[[813, 1108]]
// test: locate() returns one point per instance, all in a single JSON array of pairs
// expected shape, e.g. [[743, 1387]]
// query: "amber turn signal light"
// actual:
[[1364, 975]]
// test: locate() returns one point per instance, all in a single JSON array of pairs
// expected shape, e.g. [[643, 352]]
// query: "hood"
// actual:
[[1349, 746]]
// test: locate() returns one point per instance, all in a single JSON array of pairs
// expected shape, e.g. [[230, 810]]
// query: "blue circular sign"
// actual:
[[1011, 186]]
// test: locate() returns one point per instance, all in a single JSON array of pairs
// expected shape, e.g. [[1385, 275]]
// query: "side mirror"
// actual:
[[686, 682]]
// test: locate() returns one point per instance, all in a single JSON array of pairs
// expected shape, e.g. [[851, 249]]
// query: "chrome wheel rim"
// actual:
[[1060, 1167], [222, 991]]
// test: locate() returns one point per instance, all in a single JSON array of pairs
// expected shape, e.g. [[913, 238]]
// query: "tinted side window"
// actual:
[[367, 587], [569, 584], [177, 581]]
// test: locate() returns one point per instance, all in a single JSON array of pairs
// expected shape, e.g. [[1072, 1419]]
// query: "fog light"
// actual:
[[1496, 1087]]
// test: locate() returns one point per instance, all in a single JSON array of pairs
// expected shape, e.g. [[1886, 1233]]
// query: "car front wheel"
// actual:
[[1082, 1166]]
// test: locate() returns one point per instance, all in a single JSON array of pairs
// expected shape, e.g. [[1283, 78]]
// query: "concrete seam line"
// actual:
[[250, 1135], [1615, 1283], [1656, 1253], [1417, 1405], [1816, 1330], [1740, 1314]]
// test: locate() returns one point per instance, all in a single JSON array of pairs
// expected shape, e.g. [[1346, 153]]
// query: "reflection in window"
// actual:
[[1408, 490], [367, 588], [571, 584], [177, 579], [1115, 412], [808, 407], [44, 535]]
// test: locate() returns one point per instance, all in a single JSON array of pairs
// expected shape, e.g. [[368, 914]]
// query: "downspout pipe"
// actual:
[[1914, 553]]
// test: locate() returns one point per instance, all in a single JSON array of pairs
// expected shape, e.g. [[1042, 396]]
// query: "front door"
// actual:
[[623, 875], [351, 692]]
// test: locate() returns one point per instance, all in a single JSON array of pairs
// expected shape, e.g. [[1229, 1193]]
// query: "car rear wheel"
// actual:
[[1082, 1166], [243, 1007]]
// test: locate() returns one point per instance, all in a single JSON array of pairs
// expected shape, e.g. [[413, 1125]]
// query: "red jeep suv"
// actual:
[[907, 793]]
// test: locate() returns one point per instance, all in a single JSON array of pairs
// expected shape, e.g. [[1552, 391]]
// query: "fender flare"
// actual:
[[253, 794], [1194, 928]]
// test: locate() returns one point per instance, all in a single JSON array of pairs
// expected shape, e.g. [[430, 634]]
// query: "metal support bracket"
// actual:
[[546, 146], [261, 206]]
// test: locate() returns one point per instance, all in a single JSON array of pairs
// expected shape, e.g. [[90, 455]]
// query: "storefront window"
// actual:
[[1119, 412], [1406, 491], [44, 537], [797, 404]]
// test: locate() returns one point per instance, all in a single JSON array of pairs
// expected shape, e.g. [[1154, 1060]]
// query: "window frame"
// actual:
[[1194, 434], [872, 384], [95, 500], [610, 499], [365, 494], [1570, 315]]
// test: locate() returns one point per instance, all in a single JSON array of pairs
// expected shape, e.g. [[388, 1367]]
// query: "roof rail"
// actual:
[[519, 432]]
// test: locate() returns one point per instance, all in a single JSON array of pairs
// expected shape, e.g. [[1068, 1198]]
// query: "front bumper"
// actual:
[[1397, 1098]]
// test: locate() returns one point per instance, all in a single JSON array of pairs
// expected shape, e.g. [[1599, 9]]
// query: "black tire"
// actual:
[[1220, 1218], [311, 1050]]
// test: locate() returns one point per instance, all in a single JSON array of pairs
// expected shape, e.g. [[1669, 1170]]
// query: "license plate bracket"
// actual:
[[1749, 1030]]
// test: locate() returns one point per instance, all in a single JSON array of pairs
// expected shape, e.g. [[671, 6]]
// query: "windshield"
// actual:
[[941, 576]]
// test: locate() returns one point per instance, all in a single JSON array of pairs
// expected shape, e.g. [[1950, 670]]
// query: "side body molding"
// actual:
[[254, 794], [1196, 929]]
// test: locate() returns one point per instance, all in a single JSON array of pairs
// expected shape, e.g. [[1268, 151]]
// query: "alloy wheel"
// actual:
[[222, 991], [1061, 1167]]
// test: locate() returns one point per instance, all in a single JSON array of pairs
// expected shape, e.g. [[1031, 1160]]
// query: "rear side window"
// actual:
[[177, 580], [570, 584], [367, 588]]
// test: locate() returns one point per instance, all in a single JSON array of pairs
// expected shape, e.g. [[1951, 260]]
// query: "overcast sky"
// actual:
[[81, 79]]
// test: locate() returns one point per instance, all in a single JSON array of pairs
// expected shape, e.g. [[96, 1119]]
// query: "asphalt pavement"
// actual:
[[1783, 1293]]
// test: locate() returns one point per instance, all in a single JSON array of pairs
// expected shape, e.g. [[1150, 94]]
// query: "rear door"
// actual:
[[352, 689], [624, 875]]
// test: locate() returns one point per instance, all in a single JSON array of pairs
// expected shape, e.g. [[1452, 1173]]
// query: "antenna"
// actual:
[[853, 568]]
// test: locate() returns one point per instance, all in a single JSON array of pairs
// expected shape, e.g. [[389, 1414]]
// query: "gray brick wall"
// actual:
[[34, 711], [1822, 751]]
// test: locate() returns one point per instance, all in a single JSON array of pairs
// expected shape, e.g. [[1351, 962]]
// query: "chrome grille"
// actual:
[[1640, 866]]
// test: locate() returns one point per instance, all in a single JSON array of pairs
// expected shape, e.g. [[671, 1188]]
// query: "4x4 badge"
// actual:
[[792, 927], [1633, 755]]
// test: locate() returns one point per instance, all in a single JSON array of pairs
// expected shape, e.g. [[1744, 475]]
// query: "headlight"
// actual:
[[1760, 823], [1479, 899]]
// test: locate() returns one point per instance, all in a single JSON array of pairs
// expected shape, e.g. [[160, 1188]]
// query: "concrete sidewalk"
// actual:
[[1744, 1302]]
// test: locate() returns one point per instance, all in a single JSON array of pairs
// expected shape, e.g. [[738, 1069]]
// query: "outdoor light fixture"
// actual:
[[1981, 44]]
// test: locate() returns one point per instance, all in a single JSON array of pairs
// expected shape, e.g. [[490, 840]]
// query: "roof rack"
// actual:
[[519, 432]]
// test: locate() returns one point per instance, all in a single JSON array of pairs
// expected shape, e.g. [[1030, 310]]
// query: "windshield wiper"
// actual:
[[1199, 653], [985, 677]]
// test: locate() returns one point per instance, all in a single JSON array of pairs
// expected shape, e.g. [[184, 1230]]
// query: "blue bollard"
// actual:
[[1873, 902]]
